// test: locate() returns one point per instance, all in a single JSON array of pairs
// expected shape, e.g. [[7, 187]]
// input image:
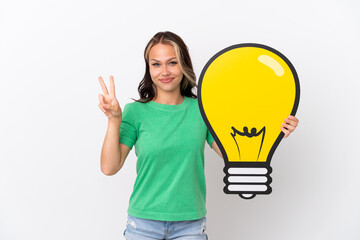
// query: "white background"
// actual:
[[51, 129]]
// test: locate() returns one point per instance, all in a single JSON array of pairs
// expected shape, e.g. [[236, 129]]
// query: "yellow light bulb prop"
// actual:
[[245, 93]]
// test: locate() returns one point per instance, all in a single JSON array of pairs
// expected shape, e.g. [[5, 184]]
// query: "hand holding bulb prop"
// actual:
[[245, 93]]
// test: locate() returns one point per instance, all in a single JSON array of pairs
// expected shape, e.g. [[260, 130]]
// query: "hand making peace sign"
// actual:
[[108, 102]]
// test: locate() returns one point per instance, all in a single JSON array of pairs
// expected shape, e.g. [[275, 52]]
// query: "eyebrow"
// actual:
[[166, 60]]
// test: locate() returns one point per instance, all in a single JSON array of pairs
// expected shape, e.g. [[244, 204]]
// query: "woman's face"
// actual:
[[165, 70]]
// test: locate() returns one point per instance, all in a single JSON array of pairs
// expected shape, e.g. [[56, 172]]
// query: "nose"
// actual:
[[165, 70]]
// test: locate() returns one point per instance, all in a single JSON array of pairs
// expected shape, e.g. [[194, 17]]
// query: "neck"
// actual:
[[169, 98]]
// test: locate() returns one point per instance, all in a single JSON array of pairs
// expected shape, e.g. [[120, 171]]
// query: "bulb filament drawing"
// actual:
[[248, 134]]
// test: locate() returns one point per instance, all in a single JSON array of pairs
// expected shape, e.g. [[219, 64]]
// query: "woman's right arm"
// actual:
[[113, 153]]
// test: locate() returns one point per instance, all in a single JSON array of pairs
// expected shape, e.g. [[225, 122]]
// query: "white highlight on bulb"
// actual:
[[272, 63]]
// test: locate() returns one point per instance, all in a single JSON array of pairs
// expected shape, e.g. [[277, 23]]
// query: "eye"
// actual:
[[155, 64], [173, 63]]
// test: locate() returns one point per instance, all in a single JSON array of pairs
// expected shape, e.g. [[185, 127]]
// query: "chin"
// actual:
[[168, 87], [169, 90]]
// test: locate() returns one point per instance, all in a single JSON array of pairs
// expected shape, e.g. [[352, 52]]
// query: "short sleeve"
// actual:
[[128, 130], [209, 138]]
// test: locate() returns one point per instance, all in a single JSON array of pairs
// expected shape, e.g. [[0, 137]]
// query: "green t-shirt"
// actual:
[[169, 143]]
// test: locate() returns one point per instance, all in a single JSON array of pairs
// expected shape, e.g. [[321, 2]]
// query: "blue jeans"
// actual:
[[145, 229]]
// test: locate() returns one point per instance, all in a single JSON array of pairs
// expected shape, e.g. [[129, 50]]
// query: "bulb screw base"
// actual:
[[248, 179]]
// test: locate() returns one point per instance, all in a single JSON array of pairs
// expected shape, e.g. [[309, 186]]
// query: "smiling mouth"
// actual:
[[166, 80]]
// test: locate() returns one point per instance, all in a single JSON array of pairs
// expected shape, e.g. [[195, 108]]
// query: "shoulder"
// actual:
[[132, 106], [193, 101], [130, 109], [194, 107]]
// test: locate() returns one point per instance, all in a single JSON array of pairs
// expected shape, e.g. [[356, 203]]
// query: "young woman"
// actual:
[[169, 134]]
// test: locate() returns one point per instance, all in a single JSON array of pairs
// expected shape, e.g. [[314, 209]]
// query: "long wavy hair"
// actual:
[[147, 89]]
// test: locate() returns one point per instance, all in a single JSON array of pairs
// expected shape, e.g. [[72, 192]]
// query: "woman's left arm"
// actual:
[[289, 125], [216, 148]]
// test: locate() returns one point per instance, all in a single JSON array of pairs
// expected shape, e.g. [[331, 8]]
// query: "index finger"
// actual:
[[103, 86], [112, 86], [291, 117]]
